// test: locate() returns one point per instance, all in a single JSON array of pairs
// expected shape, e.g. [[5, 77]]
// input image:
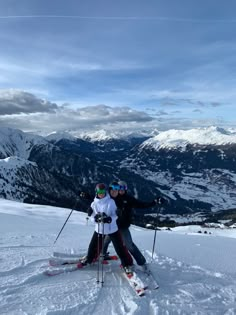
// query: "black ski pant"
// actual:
[[95, 247], [129, 244]]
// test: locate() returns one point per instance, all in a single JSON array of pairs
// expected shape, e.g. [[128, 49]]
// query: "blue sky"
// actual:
[[163, 64]]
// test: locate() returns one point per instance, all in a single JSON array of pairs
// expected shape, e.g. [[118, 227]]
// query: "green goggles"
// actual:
[[101, 191]]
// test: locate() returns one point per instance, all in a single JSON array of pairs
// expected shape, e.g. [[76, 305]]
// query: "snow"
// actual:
[[14, 162], [191, 186], [211, 135], [14, 142], [181, 138], [101, 135], [196, 272], [57, 136]]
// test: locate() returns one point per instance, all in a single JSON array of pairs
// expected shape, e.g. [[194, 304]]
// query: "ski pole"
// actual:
[[98, 253], [65, 223], [63, 226], [154, 242], [102, 276], [154, 239]]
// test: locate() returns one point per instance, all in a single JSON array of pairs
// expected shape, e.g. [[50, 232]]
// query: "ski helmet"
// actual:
[[100, 188], [123, 185], [114, 185]]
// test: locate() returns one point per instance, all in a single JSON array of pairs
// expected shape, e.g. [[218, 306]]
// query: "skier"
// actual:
[[104, 215], [125, 204], [114, 188]]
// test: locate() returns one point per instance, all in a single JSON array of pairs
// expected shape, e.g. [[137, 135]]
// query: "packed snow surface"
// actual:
[[196, 272]]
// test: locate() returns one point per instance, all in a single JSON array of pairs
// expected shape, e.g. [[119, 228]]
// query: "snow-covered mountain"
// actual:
[[180, 139], [197, 166], [106, 135], [14, 142], [196, 272], [193, 169]]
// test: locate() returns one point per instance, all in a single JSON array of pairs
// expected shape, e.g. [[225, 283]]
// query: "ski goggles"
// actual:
[[101, 191], [115, 187], [123, 187]]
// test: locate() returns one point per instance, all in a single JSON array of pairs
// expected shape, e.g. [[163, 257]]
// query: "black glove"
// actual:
[[107, 220], [102, 217], [89, 211], [98, 218]]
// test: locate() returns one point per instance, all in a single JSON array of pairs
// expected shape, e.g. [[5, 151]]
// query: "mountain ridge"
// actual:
[[200, 177]]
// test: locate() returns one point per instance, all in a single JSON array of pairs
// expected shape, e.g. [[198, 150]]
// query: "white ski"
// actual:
[[52, 271], [136, 283]]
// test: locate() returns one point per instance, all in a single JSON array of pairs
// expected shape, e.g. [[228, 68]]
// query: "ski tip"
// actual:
[[105, 262], [114, 257], [140, 292], [79, 265], [48, 274]]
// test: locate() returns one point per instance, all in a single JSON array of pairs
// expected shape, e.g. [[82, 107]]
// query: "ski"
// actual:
[[136, 283], [111, 257], [59, 261], [62, 269], [63, 261], [66, 255], [148, 278], [79, 255]]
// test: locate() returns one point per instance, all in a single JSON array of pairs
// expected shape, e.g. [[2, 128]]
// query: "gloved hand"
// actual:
[[107, 220], [102, 217], [89, 211], [98, 218]]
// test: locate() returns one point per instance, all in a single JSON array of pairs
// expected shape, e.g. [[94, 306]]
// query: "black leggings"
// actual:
[[94, 250]]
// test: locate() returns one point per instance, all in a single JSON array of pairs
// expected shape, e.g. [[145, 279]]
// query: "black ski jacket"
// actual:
[[125, 205]]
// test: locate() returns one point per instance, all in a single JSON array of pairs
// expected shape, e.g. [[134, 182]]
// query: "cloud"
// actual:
[[197, 110], [172, 101], [25, 111], [103, 113], [215, 104], [14, 102]]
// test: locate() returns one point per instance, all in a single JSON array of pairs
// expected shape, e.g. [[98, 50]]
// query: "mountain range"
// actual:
[[194, 170]]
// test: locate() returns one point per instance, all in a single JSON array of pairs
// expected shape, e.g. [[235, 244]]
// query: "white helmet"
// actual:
[[123, 185]]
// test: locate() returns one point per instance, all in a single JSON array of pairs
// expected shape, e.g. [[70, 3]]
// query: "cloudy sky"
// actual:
[[105, 64]]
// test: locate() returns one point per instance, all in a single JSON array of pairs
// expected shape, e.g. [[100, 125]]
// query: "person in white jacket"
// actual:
[[104, 216]]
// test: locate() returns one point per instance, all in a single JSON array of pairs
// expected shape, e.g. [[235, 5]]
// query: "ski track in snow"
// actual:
[[187, 286], [183, 289]]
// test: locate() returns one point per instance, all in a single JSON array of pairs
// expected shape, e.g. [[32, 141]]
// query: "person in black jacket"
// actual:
[[125, 204]]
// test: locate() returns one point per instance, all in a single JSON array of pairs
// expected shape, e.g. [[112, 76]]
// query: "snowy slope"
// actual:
[[196, 273]]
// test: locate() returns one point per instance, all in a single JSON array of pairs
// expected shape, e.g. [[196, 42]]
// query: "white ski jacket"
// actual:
[[108, 206]]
